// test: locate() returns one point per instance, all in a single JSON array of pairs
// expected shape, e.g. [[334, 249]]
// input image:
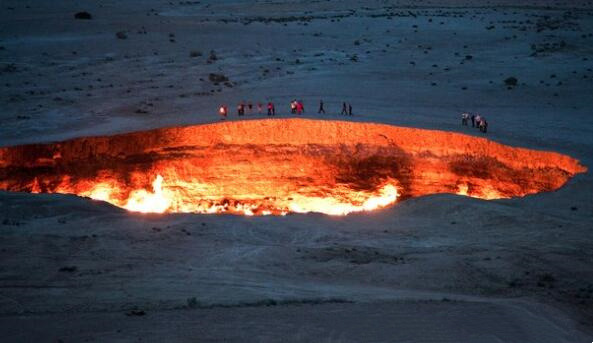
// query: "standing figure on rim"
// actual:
[[300, 109], [271, 109], [321, 109], [223, 111]]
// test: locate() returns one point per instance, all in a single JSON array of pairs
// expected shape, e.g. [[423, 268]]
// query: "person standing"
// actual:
[[349, 109], [321, 109], [223, 111], [473, 120], [273, 109], [464, 119], [270, 106], [259, 108], [344, 109], [241, 109]]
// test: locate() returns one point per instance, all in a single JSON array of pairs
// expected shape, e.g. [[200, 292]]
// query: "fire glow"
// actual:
[[280, 166], [166, 197]]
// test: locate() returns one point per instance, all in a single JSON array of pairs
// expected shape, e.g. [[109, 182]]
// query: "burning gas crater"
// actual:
[[261, 167]]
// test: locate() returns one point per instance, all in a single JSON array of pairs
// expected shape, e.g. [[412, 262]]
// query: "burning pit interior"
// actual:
[[280, 166]]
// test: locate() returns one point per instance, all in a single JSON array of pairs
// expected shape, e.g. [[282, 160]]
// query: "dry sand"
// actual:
[[440, 268]]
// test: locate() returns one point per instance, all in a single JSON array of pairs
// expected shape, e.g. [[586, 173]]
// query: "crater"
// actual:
[[280, 166]]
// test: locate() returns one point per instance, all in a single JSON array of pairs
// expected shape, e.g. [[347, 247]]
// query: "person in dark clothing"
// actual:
[[270, 107], [249, 107], [241, 109], [344, 109], [273, 109], [464, 119], [349, 109], [473, 120], [321, 109], [483, 126]]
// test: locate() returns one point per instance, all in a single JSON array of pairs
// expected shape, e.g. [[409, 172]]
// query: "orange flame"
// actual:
[[170, 198]]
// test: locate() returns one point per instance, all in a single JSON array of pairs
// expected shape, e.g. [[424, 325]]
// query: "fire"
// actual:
[[277, 167], [359, 201], [169, 198], [142, 201]]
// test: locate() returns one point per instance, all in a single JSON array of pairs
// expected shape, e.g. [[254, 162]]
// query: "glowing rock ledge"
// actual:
[[279, 166]]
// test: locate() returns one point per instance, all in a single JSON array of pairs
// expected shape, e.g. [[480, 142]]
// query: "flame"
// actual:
[[485, 191], [170, 197], [145, 202], [101, 191], [386, 195]]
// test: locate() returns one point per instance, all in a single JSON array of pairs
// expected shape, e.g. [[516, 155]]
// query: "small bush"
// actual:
[[135, 312], [216, 78], [212, 56], [192, 302], [547, 277], [511, 81], [83, 15]]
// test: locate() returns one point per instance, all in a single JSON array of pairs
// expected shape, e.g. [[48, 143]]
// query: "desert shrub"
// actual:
[[83, 15], [511, 81], [192, 302], [212, 56], [216, 78]]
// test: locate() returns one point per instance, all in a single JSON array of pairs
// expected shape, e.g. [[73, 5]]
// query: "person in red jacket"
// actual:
[[299, 107]]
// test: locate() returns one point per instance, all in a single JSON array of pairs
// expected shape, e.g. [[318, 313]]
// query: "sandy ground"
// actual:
[[440, 268]]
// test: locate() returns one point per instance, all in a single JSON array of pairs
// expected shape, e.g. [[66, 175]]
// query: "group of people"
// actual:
[[477, 121], [296, 107], [248, 108], [346, 109]]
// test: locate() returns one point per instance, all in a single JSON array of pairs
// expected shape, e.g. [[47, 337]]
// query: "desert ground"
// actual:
[[438, 268]]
